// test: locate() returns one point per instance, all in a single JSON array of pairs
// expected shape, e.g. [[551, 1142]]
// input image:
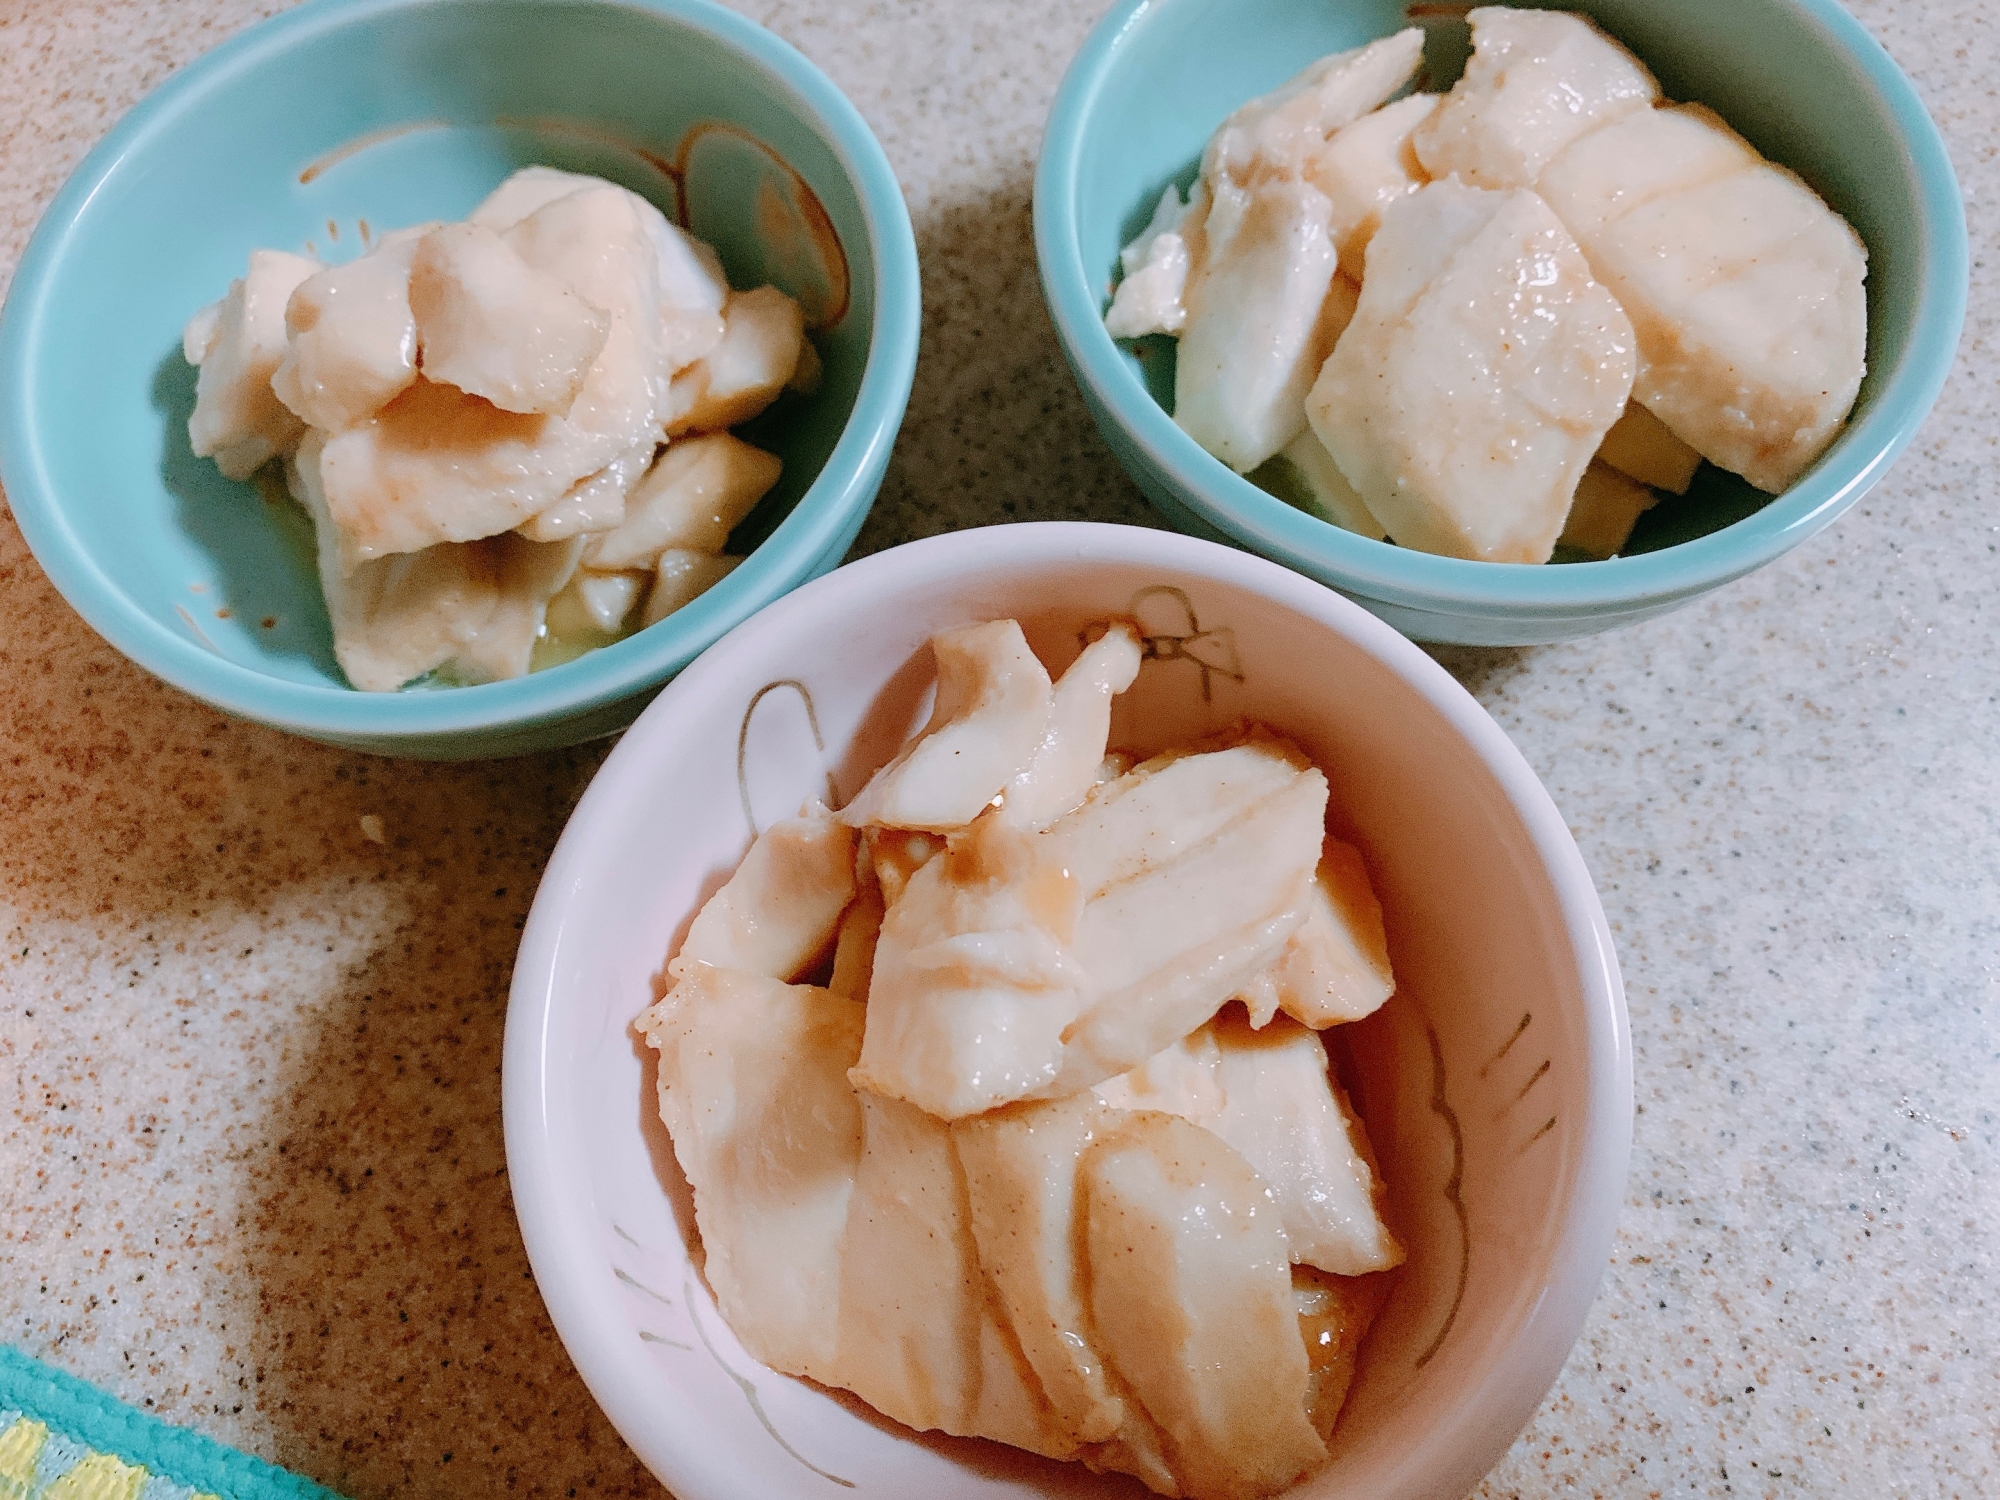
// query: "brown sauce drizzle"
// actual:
[[1453, 1190], [321, 165]]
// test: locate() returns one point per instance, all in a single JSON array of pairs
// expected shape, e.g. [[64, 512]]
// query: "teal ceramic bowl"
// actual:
[[392, 112], [1800, 78]]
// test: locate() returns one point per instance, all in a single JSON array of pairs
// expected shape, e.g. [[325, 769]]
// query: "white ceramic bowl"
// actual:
[[1497, 1084]]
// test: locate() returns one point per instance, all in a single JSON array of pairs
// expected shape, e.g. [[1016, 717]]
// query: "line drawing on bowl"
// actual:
[[1213, 650], [634, 1282], [1541, 1130], [1453, 1187], [744, 1384], [817, 237], [619, 1230], [320, 165], [795, 225], [1508, 1045], [1522, 1093], [647, 1336], [743, 745]]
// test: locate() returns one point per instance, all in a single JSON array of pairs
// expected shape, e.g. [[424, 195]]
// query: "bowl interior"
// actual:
[[1799, 78], [340, 122], [1495, 1084]]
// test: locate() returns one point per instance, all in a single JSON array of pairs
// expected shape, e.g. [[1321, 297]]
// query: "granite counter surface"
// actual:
[[251, 1171]]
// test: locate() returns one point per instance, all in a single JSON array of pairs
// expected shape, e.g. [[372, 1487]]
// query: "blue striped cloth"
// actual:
[[63, 1439]]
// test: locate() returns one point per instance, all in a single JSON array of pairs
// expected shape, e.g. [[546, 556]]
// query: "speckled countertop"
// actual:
[[251, 1173]]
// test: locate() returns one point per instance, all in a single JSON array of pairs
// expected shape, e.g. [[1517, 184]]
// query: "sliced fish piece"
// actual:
[[991, 716], [1607, 506], [1270, 1093], [1064, 766], [1336, 967], [1155, 266], [680, 577], [1640, 447], [1536, 81], [1746, 292], [1279, 132], [779, 911], [763, 334], [352, 345], [922, 1338], [497, 327], [1191, 1296], [753, 1090], [975, 983], [238, 345], [1482, 369], [1334, 499], [1365, 166], [1260, 320], [691, 499]]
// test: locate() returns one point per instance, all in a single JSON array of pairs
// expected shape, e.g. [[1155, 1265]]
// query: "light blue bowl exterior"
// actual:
[[1801, 78], [160, 216]]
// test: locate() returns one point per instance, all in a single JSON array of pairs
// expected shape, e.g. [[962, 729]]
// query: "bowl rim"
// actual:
[[1421, 581], [823, 516], [554, 1206]]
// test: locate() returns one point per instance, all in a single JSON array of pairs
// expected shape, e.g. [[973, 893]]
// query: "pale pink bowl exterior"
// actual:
[[1504, 1060]]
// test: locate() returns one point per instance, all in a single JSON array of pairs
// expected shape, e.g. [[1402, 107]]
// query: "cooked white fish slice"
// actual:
[[692, 285], [1260, 320], [595, 602], [495, 326], [595, 503], [352, 346], [992, 712], [753, 1089], [975, 984], [1482, 369], [1745, 290], [1606, 507], [763, 332], [1033, 965], [922, 1338], [1065, 765], [1155, 266], [691, 499], [854, 945], [525, 191], [1640, 446], [238, 344], [439, 465], [781, 908], [1270, 1094], [1336, 967], [1536, 81], [528, 575], [1191, 1295], [1020, 1172], [1365, 166], [1259, 236], [680, 577], [1334, 498], [1275, 134], [471, 609], [1167, 948]]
